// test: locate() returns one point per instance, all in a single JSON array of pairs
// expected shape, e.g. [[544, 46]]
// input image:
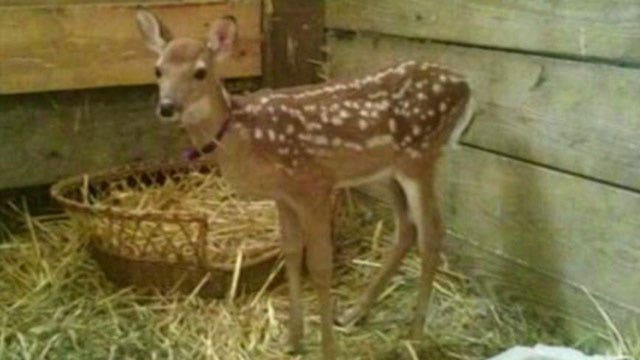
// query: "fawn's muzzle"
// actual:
[[167, 109]]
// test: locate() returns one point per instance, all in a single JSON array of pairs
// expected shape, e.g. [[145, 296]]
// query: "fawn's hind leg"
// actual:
[[423, 211], [405, 234]]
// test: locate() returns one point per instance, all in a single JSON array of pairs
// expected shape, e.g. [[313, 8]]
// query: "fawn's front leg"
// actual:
[[320, 262], [315, 219], [292, 245]]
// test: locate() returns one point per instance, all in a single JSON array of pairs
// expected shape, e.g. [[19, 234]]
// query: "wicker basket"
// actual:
[[130, 258]]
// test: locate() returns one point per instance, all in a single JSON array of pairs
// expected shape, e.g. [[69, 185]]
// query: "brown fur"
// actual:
[[298, 145]]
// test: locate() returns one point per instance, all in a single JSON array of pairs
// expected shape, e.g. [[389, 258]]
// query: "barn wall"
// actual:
[[542, 195], [73, 75]]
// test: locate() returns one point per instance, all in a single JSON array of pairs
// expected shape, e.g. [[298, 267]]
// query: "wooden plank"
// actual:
[[76, 2], [542, 238], [568, 115], [599, 29], [539, 235], [293, 52], [44, 137], [94, 45], [529, 232]]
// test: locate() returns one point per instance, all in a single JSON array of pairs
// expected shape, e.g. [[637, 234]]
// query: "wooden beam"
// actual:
[[574, 116], [75, 46], [599, 29], [295, 36]]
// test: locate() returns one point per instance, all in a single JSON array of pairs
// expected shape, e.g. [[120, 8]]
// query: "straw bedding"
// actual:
[[235, 224], [56, 304]]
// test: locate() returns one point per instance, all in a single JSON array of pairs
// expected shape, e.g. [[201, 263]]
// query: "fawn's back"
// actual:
[[406, 110]]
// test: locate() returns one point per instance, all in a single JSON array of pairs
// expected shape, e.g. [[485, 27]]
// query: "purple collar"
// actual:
[[194, 154]]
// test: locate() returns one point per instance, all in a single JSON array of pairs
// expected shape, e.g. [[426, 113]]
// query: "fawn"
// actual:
[[296, 146]]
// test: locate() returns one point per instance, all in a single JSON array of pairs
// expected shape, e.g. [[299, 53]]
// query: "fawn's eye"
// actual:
[[158, 73], [200, 74]]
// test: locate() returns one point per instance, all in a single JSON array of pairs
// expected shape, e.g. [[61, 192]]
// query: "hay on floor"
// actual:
[[56, 304]]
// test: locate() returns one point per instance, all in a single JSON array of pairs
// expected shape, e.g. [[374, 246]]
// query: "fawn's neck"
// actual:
[[204, 117]]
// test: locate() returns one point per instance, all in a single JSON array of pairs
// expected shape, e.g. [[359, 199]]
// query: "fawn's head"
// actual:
[[186, 67]]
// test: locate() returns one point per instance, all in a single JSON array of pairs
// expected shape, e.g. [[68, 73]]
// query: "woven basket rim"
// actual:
[[61, 189]]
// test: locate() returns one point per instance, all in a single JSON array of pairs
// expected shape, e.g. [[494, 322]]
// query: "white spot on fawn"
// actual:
[[362, 123], [379, 94], [392, 125], [321, 140], [337, 121], [323, 116], [436, 88], [379, 140], [403, 89], [257, 133], [353, 146], [413, 153]]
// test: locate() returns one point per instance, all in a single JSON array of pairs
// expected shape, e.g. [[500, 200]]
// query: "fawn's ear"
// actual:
[[155, 34], [222, 36]]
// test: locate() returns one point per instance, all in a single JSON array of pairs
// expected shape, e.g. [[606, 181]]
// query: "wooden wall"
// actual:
[[543, 196], [64, 109], [75, 77]]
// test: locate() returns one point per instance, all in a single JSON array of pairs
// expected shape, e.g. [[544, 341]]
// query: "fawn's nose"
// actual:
[[167, 109]]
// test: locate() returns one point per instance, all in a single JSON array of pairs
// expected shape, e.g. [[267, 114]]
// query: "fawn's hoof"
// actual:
[[415, 334], [295, 350]]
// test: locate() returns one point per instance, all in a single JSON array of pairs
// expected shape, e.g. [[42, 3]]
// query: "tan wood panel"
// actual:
[[75, 2], [294, 36], [578, 117], [530, 232], [83, 46], [601, 29], [539, 235], [44, 137]]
